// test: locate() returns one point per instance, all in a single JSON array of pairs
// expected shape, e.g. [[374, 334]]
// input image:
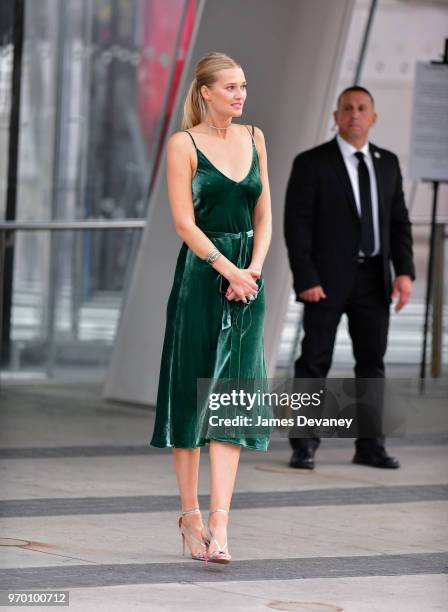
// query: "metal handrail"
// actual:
[[120, 224], [72, 225], [423, 221]]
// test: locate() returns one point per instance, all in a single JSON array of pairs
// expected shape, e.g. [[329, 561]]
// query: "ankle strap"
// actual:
[[219, 510], [187, 512]]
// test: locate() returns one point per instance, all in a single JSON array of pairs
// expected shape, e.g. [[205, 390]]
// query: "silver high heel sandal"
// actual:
[[219, 555], [186, 533]]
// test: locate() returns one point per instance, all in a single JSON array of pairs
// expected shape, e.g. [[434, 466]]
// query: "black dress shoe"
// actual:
[[379, 460], [302, 459]]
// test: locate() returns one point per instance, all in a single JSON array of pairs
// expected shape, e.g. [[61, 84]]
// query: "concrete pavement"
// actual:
[[88, 507]]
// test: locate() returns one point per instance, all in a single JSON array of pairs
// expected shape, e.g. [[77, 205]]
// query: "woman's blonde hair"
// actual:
[[195, 108]]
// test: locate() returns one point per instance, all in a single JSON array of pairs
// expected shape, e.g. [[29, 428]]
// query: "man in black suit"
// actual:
[[345, 222]]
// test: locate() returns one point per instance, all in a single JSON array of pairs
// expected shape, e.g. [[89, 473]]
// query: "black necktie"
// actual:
[[365, 196]]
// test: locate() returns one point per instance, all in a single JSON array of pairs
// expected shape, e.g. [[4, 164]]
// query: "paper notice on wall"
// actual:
[[429, 126]]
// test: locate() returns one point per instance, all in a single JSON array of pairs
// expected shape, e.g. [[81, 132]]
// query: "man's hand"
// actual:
[[402, 287], [314, 294]]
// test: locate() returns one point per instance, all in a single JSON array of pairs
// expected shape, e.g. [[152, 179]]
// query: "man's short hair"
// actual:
[[355, 88]]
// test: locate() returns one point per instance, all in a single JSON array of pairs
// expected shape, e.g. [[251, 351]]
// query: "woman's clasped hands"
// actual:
[[243, 286]]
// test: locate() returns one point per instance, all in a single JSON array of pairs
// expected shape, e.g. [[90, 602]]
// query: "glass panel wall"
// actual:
[[98, 81]]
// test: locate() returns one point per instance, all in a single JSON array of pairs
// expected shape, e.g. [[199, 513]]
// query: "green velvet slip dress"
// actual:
[[206, 335]]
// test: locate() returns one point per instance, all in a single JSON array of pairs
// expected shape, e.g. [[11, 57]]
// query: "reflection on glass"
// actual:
[[98, 82]]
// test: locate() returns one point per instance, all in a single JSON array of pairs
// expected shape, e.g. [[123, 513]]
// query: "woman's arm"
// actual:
[[262, 216], [179, 175]]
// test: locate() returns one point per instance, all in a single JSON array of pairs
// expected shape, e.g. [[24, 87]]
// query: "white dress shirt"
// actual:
[[351, 163]]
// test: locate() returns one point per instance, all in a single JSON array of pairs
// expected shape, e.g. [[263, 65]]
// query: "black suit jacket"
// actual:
[[322, 226]]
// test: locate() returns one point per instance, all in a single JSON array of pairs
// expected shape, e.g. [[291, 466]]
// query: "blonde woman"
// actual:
[[219, 197]]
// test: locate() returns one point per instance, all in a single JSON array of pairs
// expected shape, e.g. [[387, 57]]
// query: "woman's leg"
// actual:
[[224, 460], [186, 462]]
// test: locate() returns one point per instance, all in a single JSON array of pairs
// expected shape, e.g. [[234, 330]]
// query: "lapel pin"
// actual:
[[377, 155]]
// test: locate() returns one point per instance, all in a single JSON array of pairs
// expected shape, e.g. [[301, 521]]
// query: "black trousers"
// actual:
[[367, 310]]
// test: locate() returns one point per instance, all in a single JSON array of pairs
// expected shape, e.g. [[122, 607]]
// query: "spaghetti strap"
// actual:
[[252, 133], [191, 138]]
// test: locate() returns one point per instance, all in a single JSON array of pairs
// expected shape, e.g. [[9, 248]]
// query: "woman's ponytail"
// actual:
[[194, 107]]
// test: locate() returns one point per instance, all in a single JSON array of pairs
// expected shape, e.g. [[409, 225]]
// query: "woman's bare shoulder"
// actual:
[[179, 141], [180, 149]]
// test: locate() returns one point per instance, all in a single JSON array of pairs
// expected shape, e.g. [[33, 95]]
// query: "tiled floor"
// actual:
[[88, 507]]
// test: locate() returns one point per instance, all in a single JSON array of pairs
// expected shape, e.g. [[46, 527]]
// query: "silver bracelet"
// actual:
[[212, 256]]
